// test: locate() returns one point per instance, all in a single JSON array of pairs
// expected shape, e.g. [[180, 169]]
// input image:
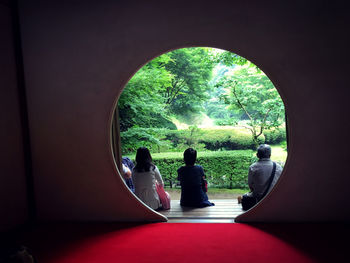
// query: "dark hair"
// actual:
[[190, 156], [143, 160], [264, 151]]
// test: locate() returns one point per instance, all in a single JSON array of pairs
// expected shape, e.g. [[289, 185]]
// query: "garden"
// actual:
[[212, 100]]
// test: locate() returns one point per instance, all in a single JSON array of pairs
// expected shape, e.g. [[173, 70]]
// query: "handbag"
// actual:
[[248, 200], [164, 197], [204, 185]]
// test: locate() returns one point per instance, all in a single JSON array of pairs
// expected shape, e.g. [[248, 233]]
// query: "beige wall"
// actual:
[[13, 205], [78, 56]]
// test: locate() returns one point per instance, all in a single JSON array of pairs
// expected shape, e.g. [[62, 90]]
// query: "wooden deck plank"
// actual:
[[224, 211]]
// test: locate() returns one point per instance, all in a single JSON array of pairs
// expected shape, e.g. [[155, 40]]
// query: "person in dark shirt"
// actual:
[[191, 179]]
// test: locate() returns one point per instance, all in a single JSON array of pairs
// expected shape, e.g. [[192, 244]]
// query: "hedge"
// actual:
[[216, 139], [275, 136], [224, 169], [229, 139]]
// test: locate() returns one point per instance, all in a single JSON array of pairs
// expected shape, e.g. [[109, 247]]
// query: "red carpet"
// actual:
[[181, 242]]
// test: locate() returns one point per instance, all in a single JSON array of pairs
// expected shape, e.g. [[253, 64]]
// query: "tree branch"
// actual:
[[262, 127], [175, 91], [247, 127], [239, 102]]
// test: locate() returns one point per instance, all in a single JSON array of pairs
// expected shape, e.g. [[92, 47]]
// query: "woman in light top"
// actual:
[[145, 175]]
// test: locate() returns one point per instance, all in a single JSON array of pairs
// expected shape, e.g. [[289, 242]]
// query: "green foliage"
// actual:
[[249, 91], [183, 139], [228, 139], [275, 135], [229, 59], [173, 83], [180, 84], [141, 103], [191, 68], [225, 122], [165, 140], [284, 145], [215, 107], [214, 139], [228, 169], [134, 138]]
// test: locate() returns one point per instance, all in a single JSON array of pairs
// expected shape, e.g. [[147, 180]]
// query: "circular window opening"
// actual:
[[213, 101]]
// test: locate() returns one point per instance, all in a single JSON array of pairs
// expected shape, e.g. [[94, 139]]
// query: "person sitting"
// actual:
[[145, 176], [128, 165], [260, 175], [191, 179]]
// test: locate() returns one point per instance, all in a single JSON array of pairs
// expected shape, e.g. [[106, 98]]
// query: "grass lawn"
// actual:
[[278, 154]]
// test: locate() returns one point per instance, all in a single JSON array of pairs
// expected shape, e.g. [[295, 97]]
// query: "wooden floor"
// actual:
[[224, 211]]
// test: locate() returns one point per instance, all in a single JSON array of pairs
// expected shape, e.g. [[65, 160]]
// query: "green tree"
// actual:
[[251, 92], [191, 69], [173, 83], [141, 103], [215, 107], [230, 59]]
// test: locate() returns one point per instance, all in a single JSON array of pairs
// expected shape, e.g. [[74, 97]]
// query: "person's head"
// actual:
[[190, 156], [143, 159], [264, 151]]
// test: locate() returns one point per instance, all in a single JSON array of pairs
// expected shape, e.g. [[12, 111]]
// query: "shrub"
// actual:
[[228, 139], [182, 139], [215, 139], [275, 136], [225, 122], [165, 140], [224, 169]]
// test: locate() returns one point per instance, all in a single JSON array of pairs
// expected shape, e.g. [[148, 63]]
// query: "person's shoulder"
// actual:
[[180, 169], [199, 168], [277, 164], [278, 167], [254, 165]]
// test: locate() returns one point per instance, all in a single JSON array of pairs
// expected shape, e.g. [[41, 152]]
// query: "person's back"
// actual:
[[145, 176], [145, 186], [259, 177], [191, 179], [191, 185]]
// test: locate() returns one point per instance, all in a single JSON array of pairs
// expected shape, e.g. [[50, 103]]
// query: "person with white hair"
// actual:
[[262, 177]]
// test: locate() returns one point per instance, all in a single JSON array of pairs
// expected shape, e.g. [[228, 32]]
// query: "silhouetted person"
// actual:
[[192, 178]]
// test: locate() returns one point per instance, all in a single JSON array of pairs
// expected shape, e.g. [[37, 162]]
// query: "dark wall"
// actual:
[[79, 55], [13, 204]]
